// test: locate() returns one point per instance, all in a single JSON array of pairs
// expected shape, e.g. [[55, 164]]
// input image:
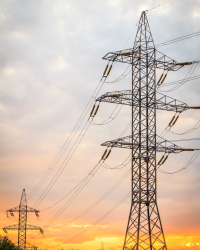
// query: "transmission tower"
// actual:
[[22, 226], [144, 229]]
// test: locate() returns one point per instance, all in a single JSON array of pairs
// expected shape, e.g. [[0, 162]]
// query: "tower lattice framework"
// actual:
[[144, 229], [22, 226]]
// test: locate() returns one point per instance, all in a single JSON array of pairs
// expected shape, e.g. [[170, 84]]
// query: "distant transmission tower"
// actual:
[[22, 226], [144, 229]]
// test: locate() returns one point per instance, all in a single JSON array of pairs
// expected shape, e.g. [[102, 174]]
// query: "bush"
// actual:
[[6, 244]]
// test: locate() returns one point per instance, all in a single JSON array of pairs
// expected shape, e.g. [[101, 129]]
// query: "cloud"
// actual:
[[50, 64]]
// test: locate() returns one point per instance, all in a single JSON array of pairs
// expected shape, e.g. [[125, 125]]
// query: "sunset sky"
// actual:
[[50, 65]]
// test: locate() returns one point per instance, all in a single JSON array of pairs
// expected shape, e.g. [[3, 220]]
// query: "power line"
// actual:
[[183, 168], [196, 126], [180, 81], [84, 180], [157, 6], [69, 156], [98, 201], [191, 71], [178, 39], [76, 187], [71, 136], [79, 190], [109, 119], [97, 221]]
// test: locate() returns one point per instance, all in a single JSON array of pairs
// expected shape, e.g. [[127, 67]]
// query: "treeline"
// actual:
[[6, 244]]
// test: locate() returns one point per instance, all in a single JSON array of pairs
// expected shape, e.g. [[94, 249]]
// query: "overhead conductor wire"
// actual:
[[75, 145], [98, 201], [191, 71], [97, 221], [183, 168], [82, 184], [71, 136]]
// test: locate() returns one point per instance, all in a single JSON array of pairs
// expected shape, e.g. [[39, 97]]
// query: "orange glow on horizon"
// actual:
[[94, 238]]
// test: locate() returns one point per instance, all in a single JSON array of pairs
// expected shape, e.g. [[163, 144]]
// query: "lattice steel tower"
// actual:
[[22, 226], [144, 229]]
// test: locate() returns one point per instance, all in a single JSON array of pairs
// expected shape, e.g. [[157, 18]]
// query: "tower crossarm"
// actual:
[[28, 227], [18, 208], [30, 209], [11, 227], [28, 245], [162, 145], [124, 56], [163, 102], [14, 209], [132, 56], [166, 63], [31, 227]]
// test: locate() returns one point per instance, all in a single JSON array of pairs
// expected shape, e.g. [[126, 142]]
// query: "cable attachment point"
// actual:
[[109, 70], [163, 159], [106, 154], [159, 79], [92, 110], [36, 213], [104, 73], [174, 120], [184, 63], [162, 78], [96, 110]]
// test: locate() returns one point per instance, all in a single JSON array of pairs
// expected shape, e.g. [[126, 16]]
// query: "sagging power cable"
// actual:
[[91, 173], [99, 200], [110, 118], [178, 39], [196, 126], [72, 149], [81, 185], [122, 76], [191, 71], [180, 81], [120, 166], [97, 221], [158, 6], [69, 139], [183, 168], [80, 188]]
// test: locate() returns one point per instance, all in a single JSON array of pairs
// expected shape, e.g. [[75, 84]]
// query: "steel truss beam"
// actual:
[[17, 209], [28, 227], [131, 56], [131, 142], [162, 102]]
